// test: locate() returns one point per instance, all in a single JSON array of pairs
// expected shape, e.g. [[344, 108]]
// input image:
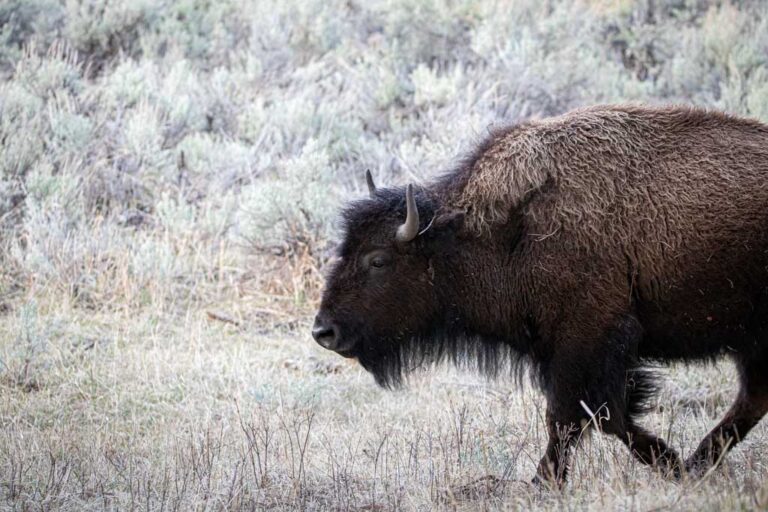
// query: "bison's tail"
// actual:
[[641, 391]]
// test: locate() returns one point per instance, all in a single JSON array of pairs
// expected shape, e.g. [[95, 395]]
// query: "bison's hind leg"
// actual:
[[751, 403], [750, 406]]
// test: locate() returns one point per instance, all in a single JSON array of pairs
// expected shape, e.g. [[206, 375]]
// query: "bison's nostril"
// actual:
[[325, 336]]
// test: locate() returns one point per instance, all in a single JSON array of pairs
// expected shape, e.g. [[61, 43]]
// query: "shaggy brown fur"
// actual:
[[587, 244]]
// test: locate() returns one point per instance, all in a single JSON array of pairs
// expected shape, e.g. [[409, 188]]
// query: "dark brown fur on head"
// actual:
[[404, 314], [590, 245]]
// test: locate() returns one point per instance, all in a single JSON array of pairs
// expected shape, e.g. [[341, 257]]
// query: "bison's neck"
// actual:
[[481, 292]]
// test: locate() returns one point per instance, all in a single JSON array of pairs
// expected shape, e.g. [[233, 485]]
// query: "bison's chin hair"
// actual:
[[394, 359]]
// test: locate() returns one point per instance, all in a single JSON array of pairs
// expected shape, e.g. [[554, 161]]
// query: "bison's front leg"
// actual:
[[591, 381], [651, 450], [567, 386], [553, 467]]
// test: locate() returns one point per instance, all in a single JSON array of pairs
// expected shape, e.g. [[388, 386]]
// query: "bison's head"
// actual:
[[381, 301]]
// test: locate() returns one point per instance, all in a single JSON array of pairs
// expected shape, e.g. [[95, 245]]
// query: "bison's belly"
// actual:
[[706, 315]]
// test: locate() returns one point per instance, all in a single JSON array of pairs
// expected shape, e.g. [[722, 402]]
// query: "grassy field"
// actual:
[[170, 174]]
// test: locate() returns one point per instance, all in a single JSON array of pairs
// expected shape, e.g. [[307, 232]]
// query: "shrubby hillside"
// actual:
[[133, 129], [170, 174]]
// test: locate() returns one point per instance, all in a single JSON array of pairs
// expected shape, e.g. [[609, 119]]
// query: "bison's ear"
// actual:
[[451, 220]]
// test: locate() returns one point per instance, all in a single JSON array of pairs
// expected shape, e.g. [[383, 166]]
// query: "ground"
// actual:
[[155, 413]]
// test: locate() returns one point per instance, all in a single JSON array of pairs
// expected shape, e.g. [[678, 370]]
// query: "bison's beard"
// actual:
[[390, 360]]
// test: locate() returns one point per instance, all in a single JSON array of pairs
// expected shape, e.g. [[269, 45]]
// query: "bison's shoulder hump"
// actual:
[[589, 148]]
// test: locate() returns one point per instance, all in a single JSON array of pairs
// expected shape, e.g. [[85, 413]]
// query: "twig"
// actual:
[[222, 317]]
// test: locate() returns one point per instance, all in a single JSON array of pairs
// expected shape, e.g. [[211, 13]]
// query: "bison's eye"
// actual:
[[377, 260]]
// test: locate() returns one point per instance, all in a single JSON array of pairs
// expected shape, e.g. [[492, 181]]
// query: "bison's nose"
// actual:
[[324, 333]]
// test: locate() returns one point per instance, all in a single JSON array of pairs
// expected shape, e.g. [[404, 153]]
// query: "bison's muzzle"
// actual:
[[326, 334]]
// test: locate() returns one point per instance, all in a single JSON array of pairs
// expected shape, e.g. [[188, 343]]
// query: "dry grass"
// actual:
[[162, 411]]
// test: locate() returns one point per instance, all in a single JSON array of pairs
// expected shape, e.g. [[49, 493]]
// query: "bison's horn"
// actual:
[[371, 184], [410, 228]]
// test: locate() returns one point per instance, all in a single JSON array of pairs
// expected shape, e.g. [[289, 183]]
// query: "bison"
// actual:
[[591, 247]]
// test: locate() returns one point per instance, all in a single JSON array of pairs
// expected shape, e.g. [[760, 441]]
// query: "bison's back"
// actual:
[[664, 208]]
